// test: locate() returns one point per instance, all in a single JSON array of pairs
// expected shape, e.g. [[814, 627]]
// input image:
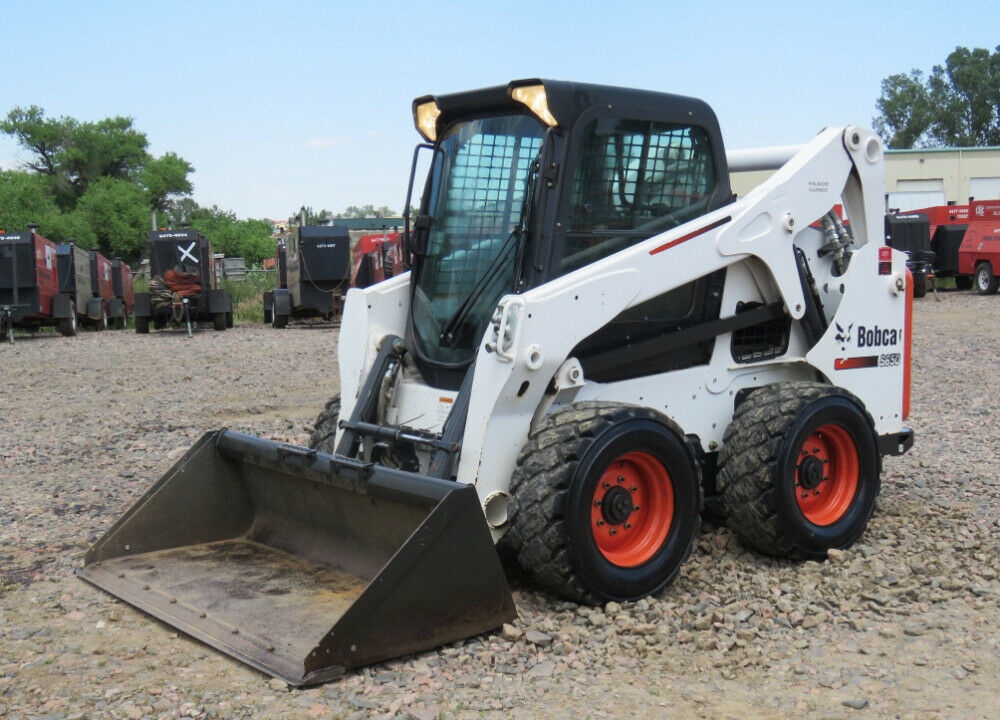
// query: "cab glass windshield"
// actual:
[[478, 184]]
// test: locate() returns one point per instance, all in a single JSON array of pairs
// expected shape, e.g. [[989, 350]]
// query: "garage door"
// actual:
[[913, 194], [985, 188]]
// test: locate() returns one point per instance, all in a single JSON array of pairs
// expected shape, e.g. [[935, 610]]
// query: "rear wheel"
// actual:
[[102, 324], [799, 469], [606, 502], [986, 282], [324, 432], [279, 321], [67, 325]]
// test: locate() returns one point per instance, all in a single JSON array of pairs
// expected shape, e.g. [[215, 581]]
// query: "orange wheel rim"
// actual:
[[826, 475], [632, 509]]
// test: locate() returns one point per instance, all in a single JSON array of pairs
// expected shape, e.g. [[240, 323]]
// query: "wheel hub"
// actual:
[[811, 472], [616, 505]]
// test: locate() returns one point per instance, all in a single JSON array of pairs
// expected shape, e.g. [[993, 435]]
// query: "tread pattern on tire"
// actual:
[[323, 435], [540, 488], [750, 448]]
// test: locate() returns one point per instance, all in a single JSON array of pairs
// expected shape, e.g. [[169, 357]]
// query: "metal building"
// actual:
[[924, 178]]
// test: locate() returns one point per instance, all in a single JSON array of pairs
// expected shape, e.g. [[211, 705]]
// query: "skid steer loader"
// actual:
[[595, 338]]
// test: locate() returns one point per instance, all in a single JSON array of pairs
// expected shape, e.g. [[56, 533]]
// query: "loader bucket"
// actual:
[[302, 564]]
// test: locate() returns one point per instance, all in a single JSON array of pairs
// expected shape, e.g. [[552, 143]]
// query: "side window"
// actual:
[[633, 179]]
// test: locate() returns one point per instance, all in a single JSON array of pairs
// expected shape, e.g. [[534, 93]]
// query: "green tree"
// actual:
[[249, 239], [165, 179], [311, 216], [904, 111], [115, 210], [74, 154], [366, 211], [178, 210], [958, 105], [25, 198]]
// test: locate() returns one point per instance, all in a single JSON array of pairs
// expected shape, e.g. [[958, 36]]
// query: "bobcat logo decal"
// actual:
[[843, 335]]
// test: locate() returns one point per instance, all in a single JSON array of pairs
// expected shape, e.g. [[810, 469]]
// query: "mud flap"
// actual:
[[302, 564]]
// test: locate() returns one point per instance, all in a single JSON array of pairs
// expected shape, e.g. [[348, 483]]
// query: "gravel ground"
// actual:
[[903, 625]]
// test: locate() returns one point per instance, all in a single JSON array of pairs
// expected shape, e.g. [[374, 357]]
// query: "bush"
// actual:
[[248, 295]]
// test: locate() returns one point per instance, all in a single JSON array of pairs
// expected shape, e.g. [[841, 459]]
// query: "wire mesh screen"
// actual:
[[635, 179], [482, 206], [763, 341]]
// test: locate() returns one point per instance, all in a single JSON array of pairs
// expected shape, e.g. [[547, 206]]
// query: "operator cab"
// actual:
[[535, 179]]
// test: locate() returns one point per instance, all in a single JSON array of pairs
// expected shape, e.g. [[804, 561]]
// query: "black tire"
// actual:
[[799, 469], [268, 316], [986, 282], [229, 320], [279, 321], [219, 321], [102, 324], [67, 325], [324, 432], [141, 325], [963, 282], [593, 468], [919, 285]]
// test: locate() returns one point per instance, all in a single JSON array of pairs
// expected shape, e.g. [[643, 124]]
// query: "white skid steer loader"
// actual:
[[595, 338]]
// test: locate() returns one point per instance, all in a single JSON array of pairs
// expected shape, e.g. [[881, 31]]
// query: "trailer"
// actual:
[[123, 292], [313, 275], [377, 257], [78, 278], [183, 288], [101, 284], [965, 240], [29, 285], [910, 232]]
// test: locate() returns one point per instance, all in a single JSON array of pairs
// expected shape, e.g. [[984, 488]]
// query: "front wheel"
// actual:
[[324, 432], [799, 469], [67, 325], [606, 502], [986, 282]]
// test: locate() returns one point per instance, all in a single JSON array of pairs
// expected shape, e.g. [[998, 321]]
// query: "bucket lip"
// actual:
[[242, 645]]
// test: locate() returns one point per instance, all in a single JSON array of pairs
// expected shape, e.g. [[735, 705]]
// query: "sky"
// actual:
[[283, 104]]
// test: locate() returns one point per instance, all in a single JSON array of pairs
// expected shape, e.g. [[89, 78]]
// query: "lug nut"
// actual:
[[600, 523], [621, 478], [613, 531], [628, 526]]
